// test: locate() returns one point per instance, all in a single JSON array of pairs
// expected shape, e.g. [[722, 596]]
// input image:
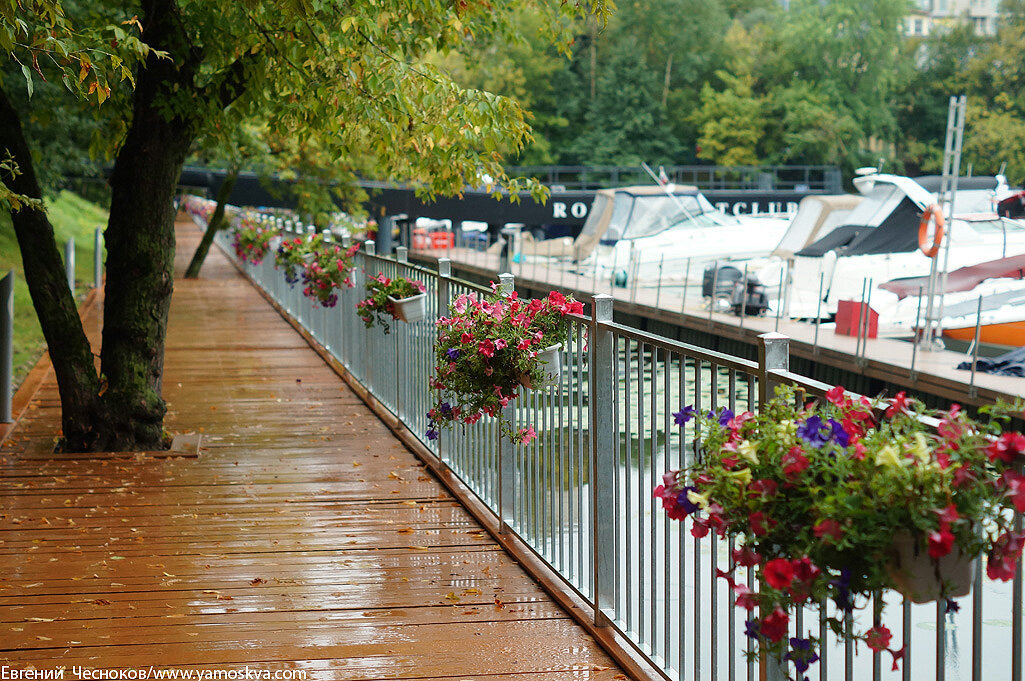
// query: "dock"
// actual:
[[300, 536], [832, 358]]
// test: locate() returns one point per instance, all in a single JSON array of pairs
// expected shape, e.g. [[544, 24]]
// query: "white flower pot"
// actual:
[[551, 363], [411, 309], [922, 578]]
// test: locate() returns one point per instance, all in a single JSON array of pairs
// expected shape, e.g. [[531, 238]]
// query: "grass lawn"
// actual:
[[72, 217]]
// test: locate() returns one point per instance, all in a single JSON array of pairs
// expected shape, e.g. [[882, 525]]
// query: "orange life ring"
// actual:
[[935, 213]]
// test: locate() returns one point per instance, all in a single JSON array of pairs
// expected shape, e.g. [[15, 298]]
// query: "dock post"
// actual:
[[98, 257], [972, 390], [6, 345], [918, 333], [818, 315], [402, 255], [773, 353], [603, 459], [69, 263]]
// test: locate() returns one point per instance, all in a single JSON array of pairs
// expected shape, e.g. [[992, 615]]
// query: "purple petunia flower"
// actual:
[[801, 654], [811, 432], [686, 504], [432, 434], [952, 606], [843, 590], [446, 409], [684, 415], [839, 435], [751, 628], [725, 416], [453, 353]]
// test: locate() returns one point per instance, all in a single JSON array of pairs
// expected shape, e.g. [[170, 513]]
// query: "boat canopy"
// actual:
[[637, 212], [886, 221], [817, 216], [963, 278]]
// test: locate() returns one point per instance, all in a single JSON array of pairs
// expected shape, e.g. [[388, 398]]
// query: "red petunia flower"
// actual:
[[1007, 447], [828, 528], [775, 625], [900, 404], [878, 638], [778, 573]]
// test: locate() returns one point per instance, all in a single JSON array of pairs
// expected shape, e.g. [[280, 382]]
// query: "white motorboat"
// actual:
[[997, 284], [652, 233], [879, 241]]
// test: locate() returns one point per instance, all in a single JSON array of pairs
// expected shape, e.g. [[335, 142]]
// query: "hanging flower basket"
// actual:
[[489, 350], [411, 309], [251, 241], [390, 299], [839, 500], [924, 579], [550, 361]]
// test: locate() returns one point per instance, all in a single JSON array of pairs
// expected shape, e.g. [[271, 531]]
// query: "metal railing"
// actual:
[[822, 178], [580, 495]]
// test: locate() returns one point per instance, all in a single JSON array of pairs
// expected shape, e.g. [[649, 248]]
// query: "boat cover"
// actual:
[[817, 216], [1013, 206], [1008, 364], [887, 220], [897, 232], [964, 278]]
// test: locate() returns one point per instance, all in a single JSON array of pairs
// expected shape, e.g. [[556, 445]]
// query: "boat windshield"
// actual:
[[636, 217]]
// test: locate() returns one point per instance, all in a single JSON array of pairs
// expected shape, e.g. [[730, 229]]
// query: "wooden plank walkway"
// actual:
[[303, 537]]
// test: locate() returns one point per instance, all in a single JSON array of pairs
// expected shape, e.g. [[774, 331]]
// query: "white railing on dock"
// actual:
[[581, 494]]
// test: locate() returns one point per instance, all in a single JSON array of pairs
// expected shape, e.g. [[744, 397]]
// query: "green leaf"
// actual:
[[28, 79]]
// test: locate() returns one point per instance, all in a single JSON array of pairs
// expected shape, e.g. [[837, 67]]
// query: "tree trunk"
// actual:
[[215, 224], [140, 239], [70, 353]]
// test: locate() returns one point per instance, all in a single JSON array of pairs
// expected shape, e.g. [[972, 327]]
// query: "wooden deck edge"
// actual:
[[618, 648], [38, 373]]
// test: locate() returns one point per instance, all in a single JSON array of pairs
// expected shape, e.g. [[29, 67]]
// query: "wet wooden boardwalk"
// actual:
[[304, 537]]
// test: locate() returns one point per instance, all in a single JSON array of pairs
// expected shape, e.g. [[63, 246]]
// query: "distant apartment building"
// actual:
[[935, 15]]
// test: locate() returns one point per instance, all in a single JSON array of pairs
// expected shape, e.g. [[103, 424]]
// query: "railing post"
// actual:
[[444, 289], [6, 345], [603, 460], [402, 255], [98, 257], [773, 353], [507, 284], [506, 450], [69, 263], [371, 248]]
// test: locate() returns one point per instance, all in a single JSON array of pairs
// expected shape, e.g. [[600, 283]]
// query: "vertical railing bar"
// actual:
[[877, 610], [941, 640], [823, 643], [667, 548], [628, 484], [563, 380], [1016, 598], [580, 445], [681, 570], [848, 627], [698, 615], [641, 563], [713, 554], [655, 554]]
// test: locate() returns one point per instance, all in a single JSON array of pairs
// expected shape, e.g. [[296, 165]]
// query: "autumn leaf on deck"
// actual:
[[257, 581]]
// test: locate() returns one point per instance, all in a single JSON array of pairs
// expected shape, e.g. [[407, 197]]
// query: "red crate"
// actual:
[[849, 318]]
